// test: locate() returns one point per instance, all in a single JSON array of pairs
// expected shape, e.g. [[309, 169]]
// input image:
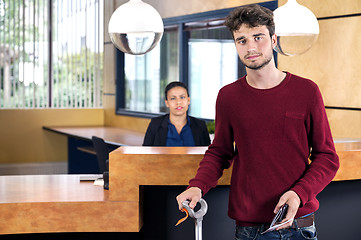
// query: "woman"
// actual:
[[176, 128]]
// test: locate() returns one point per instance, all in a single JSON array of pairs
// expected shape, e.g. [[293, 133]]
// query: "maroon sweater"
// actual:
[[276, 131]]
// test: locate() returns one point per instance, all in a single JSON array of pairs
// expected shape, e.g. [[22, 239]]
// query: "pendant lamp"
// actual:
[[135, 27], [296, 28]]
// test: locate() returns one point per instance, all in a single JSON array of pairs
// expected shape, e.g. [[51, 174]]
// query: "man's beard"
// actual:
[[259, 66]]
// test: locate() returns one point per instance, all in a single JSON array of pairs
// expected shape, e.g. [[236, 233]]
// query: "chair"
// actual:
[[102, 154]]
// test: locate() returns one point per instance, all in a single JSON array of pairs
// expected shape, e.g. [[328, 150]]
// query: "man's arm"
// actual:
[[324, 160], [218, 157]]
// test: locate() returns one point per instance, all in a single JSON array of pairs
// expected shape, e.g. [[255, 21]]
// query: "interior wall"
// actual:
[[332, 62], [22, 139]]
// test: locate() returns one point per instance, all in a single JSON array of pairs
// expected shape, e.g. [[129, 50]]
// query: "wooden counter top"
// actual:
[[349, 152], [49, 188], [111, 135], [59, 203]]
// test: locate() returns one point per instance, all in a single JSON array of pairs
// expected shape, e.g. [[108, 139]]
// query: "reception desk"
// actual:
[[133, 167], [63, 203]]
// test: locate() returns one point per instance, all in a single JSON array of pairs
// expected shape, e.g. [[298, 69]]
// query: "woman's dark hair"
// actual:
[[252, 15], [172, 85]]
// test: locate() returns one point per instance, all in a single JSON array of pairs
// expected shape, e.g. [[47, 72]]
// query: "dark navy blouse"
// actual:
[[184, 139]]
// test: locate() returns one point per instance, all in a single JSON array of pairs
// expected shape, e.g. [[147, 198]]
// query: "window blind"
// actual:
[[51, 53]]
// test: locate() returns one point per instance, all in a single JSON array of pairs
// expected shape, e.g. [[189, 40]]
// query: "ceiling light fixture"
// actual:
[[296, 28], [135, 27]]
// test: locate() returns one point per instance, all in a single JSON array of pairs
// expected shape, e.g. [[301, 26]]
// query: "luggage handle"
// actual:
[[198, 214]]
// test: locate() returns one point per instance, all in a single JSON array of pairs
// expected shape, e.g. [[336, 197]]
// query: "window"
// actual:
[[147, 75], [213, 64], [195, 49], [51, 53]]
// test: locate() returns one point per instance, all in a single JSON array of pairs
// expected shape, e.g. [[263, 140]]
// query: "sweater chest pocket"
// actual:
[[293, 126]]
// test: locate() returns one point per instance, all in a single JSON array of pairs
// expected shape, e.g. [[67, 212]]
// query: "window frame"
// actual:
[[183, 37]]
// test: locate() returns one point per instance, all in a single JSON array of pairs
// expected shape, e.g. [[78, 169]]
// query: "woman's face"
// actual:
[[177, 101]]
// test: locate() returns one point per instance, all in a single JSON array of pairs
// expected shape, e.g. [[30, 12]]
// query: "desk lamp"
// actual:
[[296, 28], [135, 27]]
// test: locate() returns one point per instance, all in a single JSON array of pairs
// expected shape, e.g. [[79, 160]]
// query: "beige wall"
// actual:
[[22, 139], [332, 62], [173, 8]]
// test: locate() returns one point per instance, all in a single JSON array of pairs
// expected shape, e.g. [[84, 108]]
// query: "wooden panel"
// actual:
[[333, 62], [320, 8], [50, 217], [173, 8], [344, 123], [130, 167], [329, 7]]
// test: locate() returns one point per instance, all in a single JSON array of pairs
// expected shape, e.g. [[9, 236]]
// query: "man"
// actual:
[[273, 127]]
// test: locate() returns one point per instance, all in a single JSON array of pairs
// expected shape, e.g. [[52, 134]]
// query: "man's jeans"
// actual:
[[254, 233]]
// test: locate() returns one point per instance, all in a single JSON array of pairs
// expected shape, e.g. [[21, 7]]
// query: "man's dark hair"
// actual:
[[172, 85], [252, 15]]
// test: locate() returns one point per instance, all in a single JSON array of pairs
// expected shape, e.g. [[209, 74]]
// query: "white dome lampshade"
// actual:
[[296, 28], [135, 27]]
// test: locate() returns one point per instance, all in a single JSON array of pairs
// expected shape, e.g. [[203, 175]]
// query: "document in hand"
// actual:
[[274, 227]]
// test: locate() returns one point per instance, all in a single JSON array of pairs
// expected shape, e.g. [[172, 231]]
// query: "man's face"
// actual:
[[254, 46]]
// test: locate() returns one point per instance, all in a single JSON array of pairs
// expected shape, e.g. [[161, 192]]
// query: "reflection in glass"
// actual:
[[293, 45], [136, 43]]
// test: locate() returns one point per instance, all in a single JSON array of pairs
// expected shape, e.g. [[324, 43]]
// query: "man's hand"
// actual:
[[193, 194], [293, 201]]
